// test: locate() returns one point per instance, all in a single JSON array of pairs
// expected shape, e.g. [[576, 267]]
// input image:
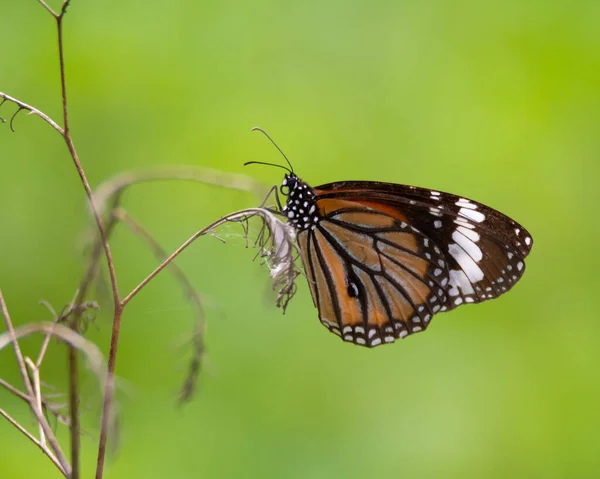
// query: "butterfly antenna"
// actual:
[[267, 164], [257, 128]]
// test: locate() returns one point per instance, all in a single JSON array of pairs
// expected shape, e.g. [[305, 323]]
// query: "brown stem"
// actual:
[[232, 217], [32, 111], [190, 292], [108, 390], [73, 368]]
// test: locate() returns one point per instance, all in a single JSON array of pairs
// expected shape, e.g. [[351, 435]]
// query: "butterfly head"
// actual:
[[300, 207]]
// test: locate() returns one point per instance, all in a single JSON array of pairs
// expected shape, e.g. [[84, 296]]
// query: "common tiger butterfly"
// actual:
[[382, 259]]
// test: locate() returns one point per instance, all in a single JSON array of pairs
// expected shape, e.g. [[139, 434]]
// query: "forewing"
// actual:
[[484, 250]]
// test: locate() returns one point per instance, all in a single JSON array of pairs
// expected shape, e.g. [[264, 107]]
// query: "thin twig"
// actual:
[[237, 216], [179, 250], [108, 390], [10, 388], [37, 389], [32, 111], [21, 395], [45, 5], [39, 414], [56, 319], [33, 439], [190, 292]]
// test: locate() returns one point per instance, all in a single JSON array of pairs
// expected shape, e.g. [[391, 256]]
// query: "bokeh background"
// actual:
[[497, 101]]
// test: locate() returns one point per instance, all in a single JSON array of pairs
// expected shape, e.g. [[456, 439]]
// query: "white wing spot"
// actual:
[[458, 279], [462, 222], [464, 203], [469, 246], [472, 215], [472, 273], [472, 235]]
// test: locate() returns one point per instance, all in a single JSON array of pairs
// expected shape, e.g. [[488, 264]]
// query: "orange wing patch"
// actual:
[[358, 245], [350, 312]]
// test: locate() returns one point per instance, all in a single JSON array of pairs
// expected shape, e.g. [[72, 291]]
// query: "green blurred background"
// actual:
[[497, 101]]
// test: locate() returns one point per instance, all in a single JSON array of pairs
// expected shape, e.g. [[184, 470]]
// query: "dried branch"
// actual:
[[30, 109], [37, 390], [12, 337], [33, 439], [108, 198], [190, 292], [279, 247], [46, 405]]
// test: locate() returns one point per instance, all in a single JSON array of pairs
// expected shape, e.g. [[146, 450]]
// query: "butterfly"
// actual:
[[382, 259]]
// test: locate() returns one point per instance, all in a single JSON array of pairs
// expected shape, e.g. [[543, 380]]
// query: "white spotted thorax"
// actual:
[[300, 207]]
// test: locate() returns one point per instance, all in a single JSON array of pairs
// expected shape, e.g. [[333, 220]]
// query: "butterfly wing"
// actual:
[[373, 277], [484, 249], [384, 258]]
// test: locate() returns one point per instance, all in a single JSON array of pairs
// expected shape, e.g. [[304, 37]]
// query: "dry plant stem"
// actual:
[[73, 367], [39, 414], [55, 318], [48, 337], [32, 111], [45, 5], [108, 390], [232, 217], [189, 290], [33, 439], [21, 395], [37, 389], [73, 372]]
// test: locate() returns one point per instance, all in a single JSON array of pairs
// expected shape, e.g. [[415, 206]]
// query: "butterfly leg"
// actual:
[[273, 191]]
